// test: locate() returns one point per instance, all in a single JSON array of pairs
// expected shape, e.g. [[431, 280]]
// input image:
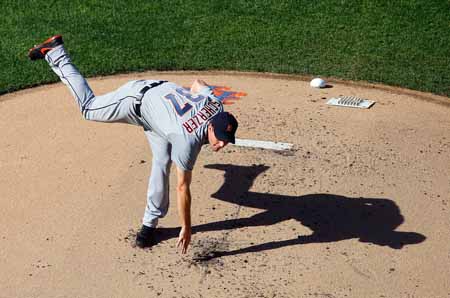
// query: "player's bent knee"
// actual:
[[86, 115], [92, 116]]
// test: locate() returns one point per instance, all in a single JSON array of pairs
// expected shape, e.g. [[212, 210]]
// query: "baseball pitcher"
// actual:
[[177, 123]]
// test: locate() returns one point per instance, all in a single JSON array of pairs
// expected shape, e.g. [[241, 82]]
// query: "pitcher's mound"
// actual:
[[358, 208]]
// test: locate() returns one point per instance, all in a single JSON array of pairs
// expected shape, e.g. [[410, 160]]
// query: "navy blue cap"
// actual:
[[225, 126]]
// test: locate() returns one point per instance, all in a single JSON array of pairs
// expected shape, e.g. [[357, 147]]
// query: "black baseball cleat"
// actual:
[[39, 51], [145, 237]]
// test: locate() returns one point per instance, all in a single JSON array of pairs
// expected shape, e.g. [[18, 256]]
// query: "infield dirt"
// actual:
[[359, 207]]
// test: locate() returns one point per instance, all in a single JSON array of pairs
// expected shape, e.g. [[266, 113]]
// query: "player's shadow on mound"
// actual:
[[330, 217]]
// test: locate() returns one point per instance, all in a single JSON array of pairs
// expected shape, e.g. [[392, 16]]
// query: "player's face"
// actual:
[[214, 142]]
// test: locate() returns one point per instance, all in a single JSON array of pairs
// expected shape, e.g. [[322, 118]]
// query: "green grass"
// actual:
[[400, 43]]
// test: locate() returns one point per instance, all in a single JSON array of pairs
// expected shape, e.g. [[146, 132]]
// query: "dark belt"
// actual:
[[138, 104]]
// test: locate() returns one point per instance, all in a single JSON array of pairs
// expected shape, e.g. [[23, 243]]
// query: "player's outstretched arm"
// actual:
[[184, 208]]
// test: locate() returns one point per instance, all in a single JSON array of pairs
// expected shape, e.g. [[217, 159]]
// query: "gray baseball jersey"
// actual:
[[181, 118]]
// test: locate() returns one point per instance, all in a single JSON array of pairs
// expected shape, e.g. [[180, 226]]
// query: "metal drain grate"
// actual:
[[351, 101]]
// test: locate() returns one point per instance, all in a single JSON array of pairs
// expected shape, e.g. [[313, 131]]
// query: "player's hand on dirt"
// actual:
[[198, 85], [184, 239]]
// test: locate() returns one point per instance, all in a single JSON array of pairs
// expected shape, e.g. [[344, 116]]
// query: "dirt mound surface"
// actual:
[[358, 208]]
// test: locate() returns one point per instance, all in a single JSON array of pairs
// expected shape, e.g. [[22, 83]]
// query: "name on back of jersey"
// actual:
[[203, 115]]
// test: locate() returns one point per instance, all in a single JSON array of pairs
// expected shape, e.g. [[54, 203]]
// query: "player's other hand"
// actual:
[[184, 239], [198, 85]]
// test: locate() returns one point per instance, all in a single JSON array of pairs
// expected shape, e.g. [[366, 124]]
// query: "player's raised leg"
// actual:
[[52, 50], [116, 106]]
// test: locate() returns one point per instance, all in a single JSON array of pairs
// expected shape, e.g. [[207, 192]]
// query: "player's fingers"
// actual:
[[185, 247], [182, 244]]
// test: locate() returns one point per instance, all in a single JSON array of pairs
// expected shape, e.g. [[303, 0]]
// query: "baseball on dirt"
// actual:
[[317, 83]]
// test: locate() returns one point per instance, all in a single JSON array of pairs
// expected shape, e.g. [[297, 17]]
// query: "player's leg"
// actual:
[[61, 64], [158, 188], [158, 184], [116, 106]]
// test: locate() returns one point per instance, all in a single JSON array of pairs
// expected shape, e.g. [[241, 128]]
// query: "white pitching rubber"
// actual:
[[263, 144]]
